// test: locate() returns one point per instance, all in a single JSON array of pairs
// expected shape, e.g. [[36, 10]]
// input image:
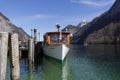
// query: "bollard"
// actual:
[[31, 51], [14, 57], [3, 55]]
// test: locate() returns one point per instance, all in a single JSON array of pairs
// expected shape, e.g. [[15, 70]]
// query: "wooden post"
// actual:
[[14, 57], [3, 55], [30, 56], [31, 50]]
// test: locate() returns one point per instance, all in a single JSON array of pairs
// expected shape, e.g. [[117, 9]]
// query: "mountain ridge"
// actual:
[[7, 26], [98, 23]]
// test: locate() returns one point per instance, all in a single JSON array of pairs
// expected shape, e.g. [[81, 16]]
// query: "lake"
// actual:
[[92, 62]]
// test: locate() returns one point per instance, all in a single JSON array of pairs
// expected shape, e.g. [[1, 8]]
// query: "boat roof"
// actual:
[[64, 32]]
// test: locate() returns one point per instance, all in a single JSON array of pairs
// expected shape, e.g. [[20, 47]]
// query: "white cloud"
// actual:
[[41, 16], [32, 18], [99, 3], [26, 21]]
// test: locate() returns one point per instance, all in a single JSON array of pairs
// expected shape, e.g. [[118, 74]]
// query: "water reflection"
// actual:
[[95, 62], [66, 71], [107, 52], [55, 70], [92, 62]]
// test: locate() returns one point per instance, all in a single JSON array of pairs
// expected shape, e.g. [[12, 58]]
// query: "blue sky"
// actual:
[[44, 14]]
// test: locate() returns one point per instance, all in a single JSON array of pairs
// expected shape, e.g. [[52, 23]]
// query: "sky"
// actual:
[[44, 14]]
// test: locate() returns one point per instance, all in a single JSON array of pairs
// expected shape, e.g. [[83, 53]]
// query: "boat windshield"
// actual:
[[58, 38]]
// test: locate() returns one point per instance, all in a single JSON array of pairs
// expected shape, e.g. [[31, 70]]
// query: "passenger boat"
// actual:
[[56, 44]]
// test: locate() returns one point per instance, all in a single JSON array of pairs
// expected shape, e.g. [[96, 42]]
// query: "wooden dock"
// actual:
[[15, 49]]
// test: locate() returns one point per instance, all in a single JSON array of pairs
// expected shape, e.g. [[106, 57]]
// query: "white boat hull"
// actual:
[[56, 51]]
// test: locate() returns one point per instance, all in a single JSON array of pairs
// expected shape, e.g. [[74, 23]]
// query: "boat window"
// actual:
[[58, 38], [54, 38], [64, 38]]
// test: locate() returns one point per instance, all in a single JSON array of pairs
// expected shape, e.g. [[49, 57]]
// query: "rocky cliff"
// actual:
[[103, 29], [71, 28], [7, 26]]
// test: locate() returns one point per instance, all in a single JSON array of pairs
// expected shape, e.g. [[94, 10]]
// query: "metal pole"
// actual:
[[14, 57], [35, 35], [39, 36], [31, 32], [3, 55]]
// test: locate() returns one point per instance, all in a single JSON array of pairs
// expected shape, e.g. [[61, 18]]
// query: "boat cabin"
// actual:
[[54, 38]]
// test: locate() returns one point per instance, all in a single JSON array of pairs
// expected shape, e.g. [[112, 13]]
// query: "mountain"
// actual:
[[103, 29], [82, 23], [71, 28], [7, 26]]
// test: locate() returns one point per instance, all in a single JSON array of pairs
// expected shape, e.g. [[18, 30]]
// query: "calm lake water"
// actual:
[[92, 62]]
